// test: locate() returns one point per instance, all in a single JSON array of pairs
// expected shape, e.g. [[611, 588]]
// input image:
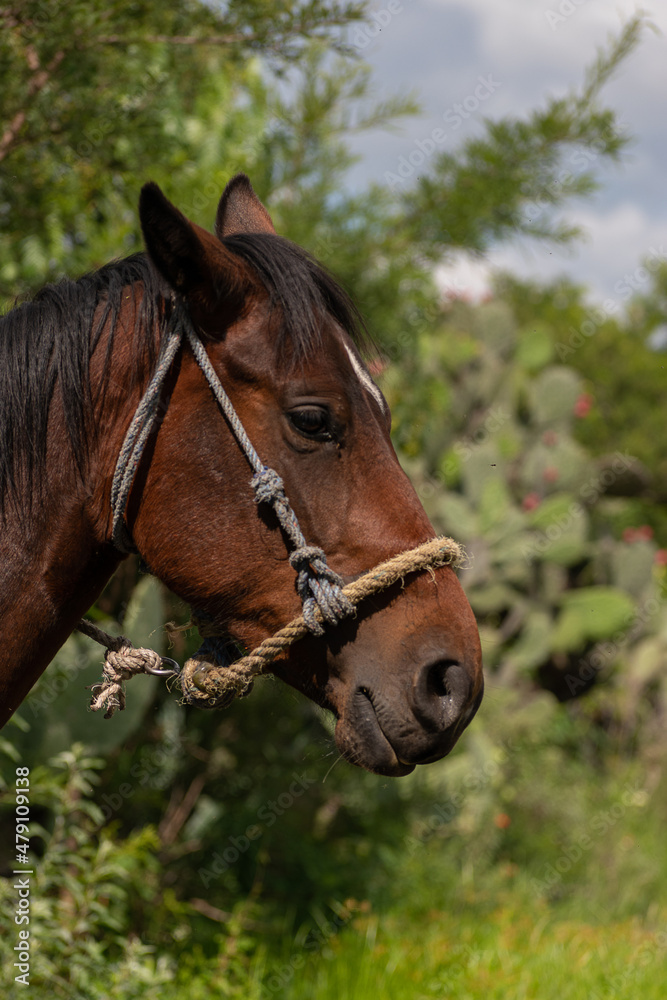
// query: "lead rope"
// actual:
[[210, 686], [205, 684], [324, 598]]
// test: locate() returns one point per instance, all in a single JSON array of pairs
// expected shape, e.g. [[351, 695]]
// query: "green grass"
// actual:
[[516, 952], [528, 866], [549, 882]]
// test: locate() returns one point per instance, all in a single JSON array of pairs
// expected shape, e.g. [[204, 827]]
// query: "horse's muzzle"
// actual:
[[389, 731]]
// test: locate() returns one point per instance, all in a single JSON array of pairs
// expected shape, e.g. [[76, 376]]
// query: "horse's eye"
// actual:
[[312, 422]]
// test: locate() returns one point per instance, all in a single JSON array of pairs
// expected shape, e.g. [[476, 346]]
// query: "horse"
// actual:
[[403, 676]]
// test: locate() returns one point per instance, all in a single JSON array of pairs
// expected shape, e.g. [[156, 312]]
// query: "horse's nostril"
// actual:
[[437, 674], [441, 693]]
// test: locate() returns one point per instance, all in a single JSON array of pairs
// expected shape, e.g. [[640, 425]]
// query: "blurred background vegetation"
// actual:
[[232, 854]]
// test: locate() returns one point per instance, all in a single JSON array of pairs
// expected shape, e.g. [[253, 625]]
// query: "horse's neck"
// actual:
[[55, 558], [49, 577], [51, 571]]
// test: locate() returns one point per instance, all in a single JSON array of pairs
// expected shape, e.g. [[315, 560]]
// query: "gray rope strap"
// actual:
[[208, 685], [138, 433], [317, 584]]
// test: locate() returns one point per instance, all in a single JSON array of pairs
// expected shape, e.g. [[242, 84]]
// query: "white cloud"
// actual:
[[617, 242], [464, 278], [440, 48]]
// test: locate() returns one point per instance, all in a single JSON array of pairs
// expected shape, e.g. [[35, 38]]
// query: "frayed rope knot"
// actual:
[[121, 664], [316, 583], [268, 486], [214, 651]]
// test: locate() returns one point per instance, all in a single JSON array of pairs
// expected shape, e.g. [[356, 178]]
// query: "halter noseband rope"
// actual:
[[207, 679]]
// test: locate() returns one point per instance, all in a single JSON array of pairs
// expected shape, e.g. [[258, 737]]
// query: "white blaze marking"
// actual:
[[365, 379]]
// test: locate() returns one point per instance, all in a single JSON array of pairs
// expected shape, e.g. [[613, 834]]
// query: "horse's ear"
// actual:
[[241, 211], [192, 261]]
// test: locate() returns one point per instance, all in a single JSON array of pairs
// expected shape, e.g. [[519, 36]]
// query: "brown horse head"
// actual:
[[403, 676]]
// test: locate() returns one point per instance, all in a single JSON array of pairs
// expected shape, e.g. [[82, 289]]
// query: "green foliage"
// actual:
[[83, 894], [508, 182], [565, 581], [497, 887], [611, 347], [463, 879], [87, 104], [481, 868], [590, 614]]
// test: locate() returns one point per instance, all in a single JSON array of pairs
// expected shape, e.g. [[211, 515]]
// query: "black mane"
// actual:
[[47, 343], [303, 289]]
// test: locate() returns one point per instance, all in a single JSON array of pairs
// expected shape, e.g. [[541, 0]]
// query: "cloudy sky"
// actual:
[[526, 50]]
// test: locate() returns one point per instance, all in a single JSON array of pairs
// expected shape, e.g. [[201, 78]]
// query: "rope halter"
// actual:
[[317, 584], [208, 679]]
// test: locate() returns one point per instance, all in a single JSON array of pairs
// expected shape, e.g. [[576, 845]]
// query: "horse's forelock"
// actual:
[[304, 290]]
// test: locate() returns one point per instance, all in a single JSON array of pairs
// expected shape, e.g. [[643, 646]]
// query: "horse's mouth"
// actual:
[[362, 741], [377, 756]]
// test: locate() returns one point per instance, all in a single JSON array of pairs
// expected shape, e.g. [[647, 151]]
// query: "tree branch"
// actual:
[[37, 83], [179, 809], [173, 39]]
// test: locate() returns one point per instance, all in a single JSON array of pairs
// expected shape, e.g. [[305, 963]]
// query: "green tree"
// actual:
[[97, 97], [512, 180]]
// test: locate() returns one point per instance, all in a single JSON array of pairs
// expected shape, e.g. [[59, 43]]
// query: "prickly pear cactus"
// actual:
[[564, 595]]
